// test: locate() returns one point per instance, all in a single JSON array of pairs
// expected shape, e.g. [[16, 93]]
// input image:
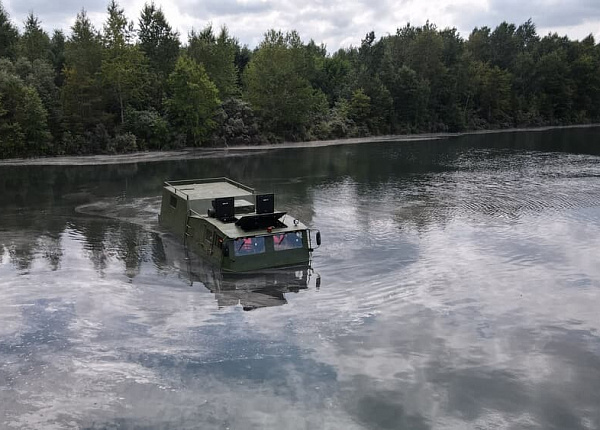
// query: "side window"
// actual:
[[249, 246], [208, 236], [173, 201], [285, 241]]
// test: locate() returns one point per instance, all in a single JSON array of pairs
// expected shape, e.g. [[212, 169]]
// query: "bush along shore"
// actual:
[[134, 87]]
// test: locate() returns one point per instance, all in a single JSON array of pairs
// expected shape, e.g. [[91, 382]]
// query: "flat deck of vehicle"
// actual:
[[208, 190]]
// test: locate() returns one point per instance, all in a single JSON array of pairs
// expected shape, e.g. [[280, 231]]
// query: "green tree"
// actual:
[[526, 36], [57, 52], [359, 107], [410, 95], [23, 119], [9, 36], [479, 44], [236, 124], [12, 139], [366, 75], [40, 75], [124, 67], [492, 87], [193, 101], [556, 86], [585, 72], [81, 94], [160, 44], [34, 44], [217, 54], [243, 54], [504, 44], [336, 71], [281, 96], [426, 54], [149, 127]]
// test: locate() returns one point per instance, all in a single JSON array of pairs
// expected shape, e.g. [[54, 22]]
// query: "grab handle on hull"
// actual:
[[317, 239]]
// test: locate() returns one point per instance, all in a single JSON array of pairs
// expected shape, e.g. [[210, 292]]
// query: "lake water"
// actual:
[[459, 289]]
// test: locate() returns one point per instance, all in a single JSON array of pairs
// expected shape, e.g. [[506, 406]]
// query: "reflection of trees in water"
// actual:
[[22, 253], [402, 179], [51, 249], [29, 235], [23, 248], [125, 242], [45, 186], [94, 233], [132, 248], [107, 242], [102, 241], [42, 198]]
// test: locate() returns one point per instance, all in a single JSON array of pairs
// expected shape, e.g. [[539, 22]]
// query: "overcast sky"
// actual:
[[333, 22]]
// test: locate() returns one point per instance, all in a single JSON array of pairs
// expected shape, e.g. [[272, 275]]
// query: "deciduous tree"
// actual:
[[193, 101], [285, 100], [217, 54]]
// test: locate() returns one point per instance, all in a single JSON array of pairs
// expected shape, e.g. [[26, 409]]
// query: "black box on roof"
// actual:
[[224, 207], [265, 203]]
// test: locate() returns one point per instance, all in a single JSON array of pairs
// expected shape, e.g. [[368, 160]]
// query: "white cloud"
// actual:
[[335, 23]]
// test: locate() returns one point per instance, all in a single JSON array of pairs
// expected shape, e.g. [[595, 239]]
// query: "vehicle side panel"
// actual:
[[173, 213]]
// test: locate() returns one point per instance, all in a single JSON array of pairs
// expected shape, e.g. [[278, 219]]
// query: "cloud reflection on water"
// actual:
[[435, 310]]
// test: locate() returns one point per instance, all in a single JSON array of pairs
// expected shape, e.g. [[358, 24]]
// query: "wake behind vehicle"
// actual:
[[234, 227]]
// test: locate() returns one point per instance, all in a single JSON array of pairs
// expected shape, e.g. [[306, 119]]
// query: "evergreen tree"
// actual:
[[159, 42], [124, 66], [57, 52], [108, 92], [34, 43], [81, 94], [9, 36]]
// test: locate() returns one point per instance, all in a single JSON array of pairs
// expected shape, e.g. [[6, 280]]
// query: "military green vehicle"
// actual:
[[234, 227]]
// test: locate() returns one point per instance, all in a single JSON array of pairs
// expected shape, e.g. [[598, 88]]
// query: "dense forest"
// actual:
[[130, 87]]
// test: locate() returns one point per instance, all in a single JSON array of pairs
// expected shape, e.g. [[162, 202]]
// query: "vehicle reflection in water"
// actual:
[[251, 290]]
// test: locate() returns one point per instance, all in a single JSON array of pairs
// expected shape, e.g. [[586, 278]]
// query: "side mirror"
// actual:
[[318, 238], [225, 248]]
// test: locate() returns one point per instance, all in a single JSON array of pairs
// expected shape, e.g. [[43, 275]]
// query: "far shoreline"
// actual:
[[214, 152]]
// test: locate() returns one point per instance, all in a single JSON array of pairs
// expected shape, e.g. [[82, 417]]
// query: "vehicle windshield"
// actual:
[[287, 241], [249, 246], [256, 245]]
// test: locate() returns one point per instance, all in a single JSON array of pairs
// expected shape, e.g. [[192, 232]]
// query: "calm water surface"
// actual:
[[459, 289]]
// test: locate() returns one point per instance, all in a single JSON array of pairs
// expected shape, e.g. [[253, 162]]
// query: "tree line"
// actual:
[[130, 87]]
